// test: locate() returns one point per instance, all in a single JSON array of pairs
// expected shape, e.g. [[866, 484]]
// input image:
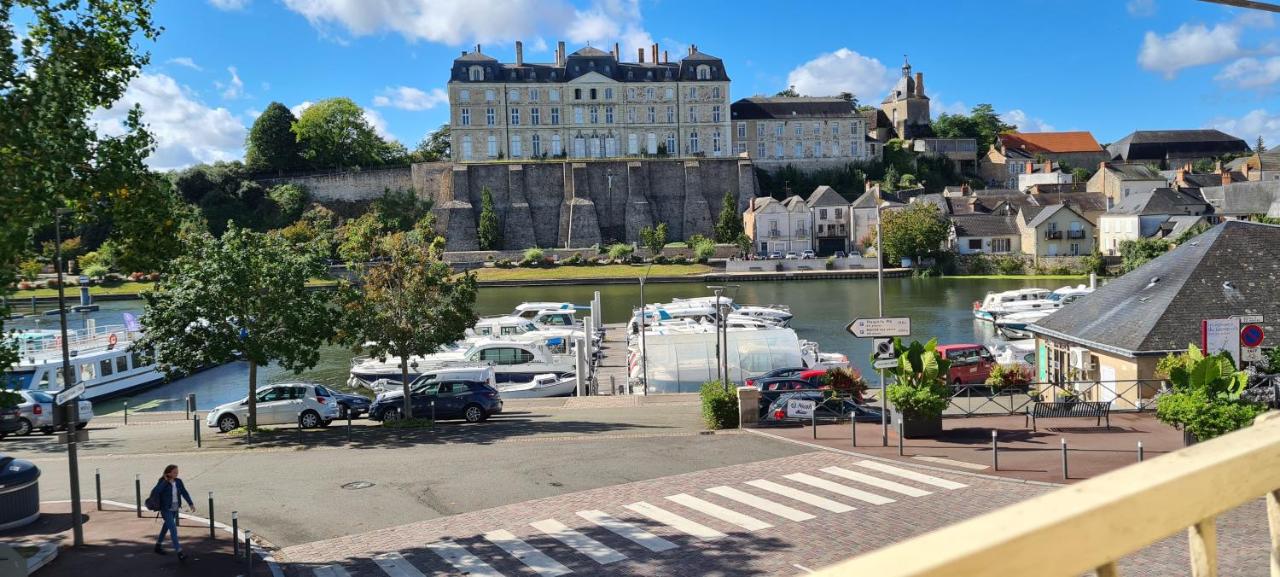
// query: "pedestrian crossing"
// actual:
[[695, 515]]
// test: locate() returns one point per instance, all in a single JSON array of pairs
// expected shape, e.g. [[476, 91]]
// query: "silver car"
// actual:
[[36, 413]]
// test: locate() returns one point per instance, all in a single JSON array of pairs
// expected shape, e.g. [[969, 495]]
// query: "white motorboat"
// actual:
[[1014, 325], [815, 358], [1020, 352], [541, 386], [102, 357], [1001, 303], [511, 361]]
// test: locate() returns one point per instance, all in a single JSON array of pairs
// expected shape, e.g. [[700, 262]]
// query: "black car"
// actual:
[[826, 408], [787, 372], [10, 421], [353, 405], [473, 401]]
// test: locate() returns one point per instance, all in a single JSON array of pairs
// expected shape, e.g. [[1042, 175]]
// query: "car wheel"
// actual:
[[473, 414], [228, 422], [309, 419], [26, 428], [391, 415]]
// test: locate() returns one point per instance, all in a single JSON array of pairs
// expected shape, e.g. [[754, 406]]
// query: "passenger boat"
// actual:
[[1014, 325], [997, 305], [511, 360], [541, 386], [102, 356]]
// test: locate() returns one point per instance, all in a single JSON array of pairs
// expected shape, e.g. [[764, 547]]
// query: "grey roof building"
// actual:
[[1243, 199], [1172, 146], [985, 225], [1163, 201]]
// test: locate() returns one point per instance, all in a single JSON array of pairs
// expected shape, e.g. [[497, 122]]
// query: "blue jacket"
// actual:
[[164, 494]]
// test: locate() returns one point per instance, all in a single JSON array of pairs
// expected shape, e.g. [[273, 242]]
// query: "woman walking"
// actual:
[[168, 494]]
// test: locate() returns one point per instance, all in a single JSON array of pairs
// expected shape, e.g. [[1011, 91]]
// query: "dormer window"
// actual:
[[704, 72], [476, 74]]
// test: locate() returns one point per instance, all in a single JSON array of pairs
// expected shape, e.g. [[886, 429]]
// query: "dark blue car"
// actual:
[[473, 401], [353, 405], [826, 408]]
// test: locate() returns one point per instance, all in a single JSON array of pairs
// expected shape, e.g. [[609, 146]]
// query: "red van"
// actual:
[[970, 364]]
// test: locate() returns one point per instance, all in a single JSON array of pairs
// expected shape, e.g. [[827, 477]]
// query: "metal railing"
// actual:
[[1124, 396], [1075, 234], [1093, 524], [80, 340], [1052, 234]]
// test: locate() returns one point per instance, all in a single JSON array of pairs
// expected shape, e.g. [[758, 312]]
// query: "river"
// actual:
[[938, 307]]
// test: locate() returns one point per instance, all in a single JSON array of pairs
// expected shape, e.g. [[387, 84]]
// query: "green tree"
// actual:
[[489, 232], [401, 209], [729, 223], [334, 133], [434, 147], [410, 305], [743, 242], [1135, 253], [982, 123], [289, 200], [654, 238], [1206, 397], [891, 178], [1261, 145], [789, 91], [359, 239], [243, 295], [916, 231], [271, 145]]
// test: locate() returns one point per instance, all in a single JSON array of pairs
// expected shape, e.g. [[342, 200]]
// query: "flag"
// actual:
[[131, 322]]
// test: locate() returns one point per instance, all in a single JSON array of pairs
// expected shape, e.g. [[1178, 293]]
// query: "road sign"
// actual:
[[1219, 335], [69, 394], [1249, 318], [883, 349], [880, 327], [1251, 355], [800, 408], [886, 364], [1251, 336]]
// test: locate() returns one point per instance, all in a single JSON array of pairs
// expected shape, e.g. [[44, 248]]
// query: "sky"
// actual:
[[1107, 66]]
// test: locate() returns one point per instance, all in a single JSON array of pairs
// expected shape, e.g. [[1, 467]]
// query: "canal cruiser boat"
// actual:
[[529, 309], [815, 358], [102, 356], [1014, 325], [511, 361], [1019, 352], [1001, 303], [541, 386]]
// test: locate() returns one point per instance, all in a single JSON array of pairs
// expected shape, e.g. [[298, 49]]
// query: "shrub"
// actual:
[[831, 263], [30, 270], [620, 251], [660, 259], [979, 264], [1009, 265], [503, 263], [1009, 376], [703, 251], [574, 260], [919, 387], [681, 259], [845, 380], [777, 266], [96, 270], [1205, 400], [532, 256], [719, 405]]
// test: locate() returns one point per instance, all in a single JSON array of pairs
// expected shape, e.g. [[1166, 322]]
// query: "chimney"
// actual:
[[964, 188], [654, 53], [519, 53], [1217, 167], [1181, 178], [560, 53], [1048, 166], [666, 58], [1226, 177], [640, 55], [1102, 166], [920, 84], [477, 48], [464, 52], [617, 52]]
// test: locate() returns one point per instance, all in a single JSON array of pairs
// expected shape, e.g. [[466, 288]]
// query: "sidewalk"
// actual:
[[1031, 456], [117, 542]]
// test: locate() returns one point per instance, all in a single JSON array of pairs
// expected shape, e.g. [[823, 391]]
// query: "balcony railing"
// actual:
[[1053, 235], [1093, 524], [775, 233], [1075, 234]]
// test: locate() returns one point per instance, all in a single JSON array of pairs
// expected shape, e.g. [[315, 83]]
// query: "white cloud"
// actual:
[[446, 21], [607, 21], [379, 124], [939, 105], [234, 88], [251, 114], [1251, 72], [841, 71], [229, 4], [1141, 8], [1250, 126], [1196, 44], [1025, 122], [185, 61], [186, 130], [410, 98], [299, 108]]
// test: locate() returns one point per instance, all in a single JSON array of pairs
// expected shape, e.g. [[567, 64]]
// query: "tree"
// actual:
[[916, 230], [334, 133], [1261, 145], [360, 238], [410, 305], [241, 296], [1080, 175], [1135, 253], [654, 238], [401, 209], [729, 223], [489, 232], [891, 178], [982, 123], [850, 98], [790, 91], [743, 242], [1205, 399], [271, 145], [434, 147]]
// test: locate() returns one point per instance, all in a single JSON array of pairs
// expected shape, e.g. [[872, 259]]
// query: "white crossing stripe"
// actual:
[[535, 559], [675, 521], [837, 488], [801, 496], [951, 462], [713, 510], [596, 550], [635, 534], [331, 571], [463, 560], [886, 484], [908, 474], [395, 565], [788, 513]]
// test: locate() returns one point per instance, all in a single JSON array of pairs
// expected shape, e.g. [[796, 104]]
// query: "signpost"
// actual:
[[69, 394], [800, 408], [877, 328], [1251, 337], [882, 329], [1219, 335]]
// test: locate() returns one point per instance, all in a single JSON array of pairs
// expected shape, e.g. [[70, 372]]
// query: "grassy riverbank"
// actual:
[[611, 271], [1020, 276]]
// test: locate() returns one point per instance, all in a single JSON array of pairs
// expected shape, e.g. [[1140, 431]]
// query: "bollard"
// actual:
[[348, 426], [195, 429], [995, 452], [433, 414], [1065, 474], [235, 534], [900, 439], [248, 550], [813, 423], [137, 493], [126, 412], [1140, 455], [853, 428], [211, 533], [248, 434], [97, 486], [613, 386]]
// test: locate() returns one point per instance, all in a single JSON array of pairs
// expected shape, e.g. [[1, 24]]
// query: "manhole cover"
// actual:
[[357, 485]]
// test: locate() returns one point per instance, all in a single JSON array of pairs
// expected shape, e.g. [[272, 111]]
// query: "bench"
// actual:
[[1039, 410]]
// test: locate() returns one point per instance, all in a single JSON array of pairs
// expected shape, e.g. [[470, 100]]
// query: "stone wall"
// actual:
[[351, 186]]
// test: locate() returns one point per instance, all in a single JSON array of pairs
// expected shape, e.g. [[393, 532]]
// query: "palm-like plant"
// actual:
[[920, 380], [1205, 400]]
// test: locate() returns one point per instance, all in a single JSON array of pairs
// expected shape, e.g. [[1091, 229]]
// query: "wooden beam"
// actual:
[[1202, 540]]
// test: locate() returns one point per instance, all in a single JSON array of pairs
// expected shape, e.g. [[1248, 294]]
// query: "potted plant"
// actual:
[[1205, 397], [846, 382], [919, 392]]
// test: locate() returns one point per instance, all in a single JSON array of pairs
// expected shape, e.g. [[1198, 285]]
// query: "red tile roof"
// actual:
[[1080, 141]]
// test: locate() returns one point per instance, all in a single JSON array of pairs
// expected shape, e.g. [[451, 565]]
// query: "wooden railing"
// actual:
[[1091, 525]]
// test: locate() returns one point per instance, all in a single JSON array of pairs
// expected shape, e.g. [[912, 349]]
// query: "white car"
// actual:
[[308, 405]]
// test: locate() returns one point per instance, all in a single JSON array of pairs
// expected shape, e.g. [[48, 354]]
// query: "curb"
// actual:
[[48, 552]]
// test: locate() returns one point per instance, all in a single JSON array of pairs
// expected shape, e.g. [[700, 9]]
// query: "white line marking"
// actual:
[[675, 521], [837, 488], [802, 496], [713, 510], [331, 571], [951, 462], [635, 534], [395, 565], [596, 550], [526, 553], [788, 513], [894, 486], [803, 568], [463, 560], [914, 476]]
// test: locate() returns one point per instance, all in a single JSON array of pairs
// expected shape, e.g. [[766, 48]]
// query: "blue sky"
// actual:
[[1108, 66]]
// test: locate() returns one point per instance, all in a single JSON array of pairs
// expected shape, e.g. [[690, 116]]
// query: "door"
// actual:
[[450, 399], [272, 405]]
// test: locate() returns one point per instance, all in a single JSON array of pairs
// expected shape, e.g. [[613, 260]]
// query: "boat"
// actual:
[[541, 386], [1014, 325], [996, 305], [102, 356], [815, 358], [511, 360], [1020, 352]]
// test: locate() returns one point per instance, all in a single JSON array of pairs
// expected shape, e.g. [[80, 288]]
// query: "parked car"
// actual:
[[353, 405], [10, 421], [38, 412], [970, 363], [839, 254], [775, 255], [784, 372], [826, 408], [786, 384], [309, 405], [791, 255], [806, 254], [473, 401]]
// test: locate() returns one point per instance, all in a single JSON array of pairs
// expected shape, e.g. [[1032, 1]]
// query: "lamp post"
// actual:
[[644, 351], [722, 334], [884, 407], [69, 409]]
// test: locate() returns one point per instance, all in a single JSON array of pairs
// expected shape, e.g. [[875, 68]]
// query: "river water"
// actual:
[[938, 307]]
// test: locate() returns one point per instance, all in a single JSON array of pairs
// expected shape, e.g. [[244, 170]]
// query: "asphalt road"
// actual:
[[288, 487]]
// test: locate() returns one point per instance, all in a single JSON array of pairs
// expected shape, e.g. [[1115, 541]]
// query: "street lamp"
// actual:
[[69, 409], [644, 351], [722, 333], [884, 415]]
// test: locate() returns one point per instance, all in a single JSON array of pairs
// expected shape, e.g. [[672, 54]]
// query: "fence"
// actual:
[[1124, 396], [1095, 523]]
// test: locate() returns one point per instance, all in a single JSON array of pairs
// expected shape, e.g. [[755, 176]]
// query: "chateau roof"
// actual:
[[789, 107]]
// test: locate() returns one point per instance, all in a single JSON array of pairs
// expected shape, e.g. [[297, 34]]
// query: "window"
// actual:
[[516, 149], [835, 129], [595, 115], [499, 356], [760, 130], [464, 95], [466, 148], [555, 116], [489, 95], [799, 150], [693, 142], [742, 131], [777, 130], [577, 94], [671, 115], [593, 93], [595, 147], [631, 115], [715, 142], [535, 116], [493, 146], [693, 92], [556, 149], [515, 116], [533, 94], [579, 147], [649, 93], [577, 115], [631, 92], [1075, 249], [671, 93], [693, 114], [608, 115], [839, 214], [122, 364], [274, 394], [715, 92], [633, 144], [777, 150], [760, 150], [817, 148], [553, 95], [466, 116], [489, 116], [652, 143], [608, 94], [476, 73], [653, 114], [104, 367], [799, 129], [704, 72], [671, 144], [975, 244], [835, 148], [610, 147], [1000, 245], [715, 113], [822, 213], [513, 95]]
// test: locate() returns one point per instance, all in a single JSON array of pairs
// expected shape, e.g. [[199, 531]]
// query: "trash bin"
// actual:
[[19, 492]]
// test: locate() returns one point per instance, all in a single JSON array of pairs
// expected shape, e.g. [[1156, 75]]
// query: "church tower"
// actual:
[[906, 106]]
